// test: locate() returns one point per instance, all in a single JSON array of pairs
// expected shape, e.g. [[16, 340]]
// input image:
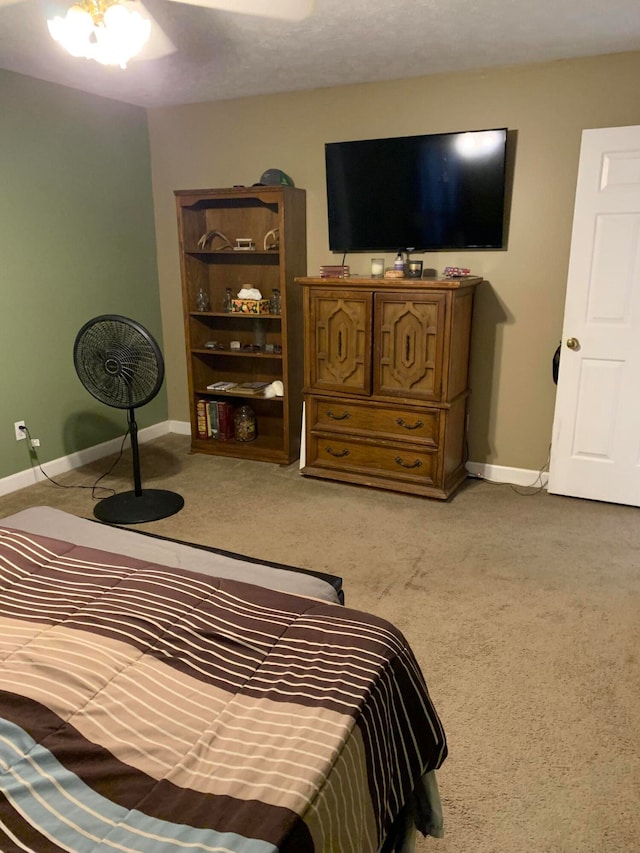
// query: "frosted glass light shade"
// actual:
[[111, 34]]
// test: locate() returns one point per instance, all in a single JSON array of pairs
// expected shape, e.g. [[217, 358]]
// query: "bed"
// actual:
[[160, 697]]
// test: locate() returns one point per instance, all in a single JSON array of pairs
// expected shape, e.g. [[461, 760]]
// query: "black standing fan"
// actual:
[[119, 362]]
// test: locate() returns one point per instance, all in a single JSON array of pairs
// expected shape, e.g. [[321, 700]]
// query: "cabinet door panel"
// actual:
[[340, 341], [409, 342]]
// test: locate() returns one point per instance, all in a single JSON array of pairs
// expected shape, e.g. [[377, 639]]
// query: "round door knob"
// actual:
[[573, 343]]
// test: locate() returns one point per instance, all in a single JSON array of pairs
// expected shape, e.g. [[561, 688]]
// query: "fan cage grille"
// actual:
[[118, 361]]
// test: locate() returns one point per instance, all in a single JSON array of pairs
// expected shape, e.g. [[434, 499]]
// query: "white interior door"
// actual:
[[595, 451]]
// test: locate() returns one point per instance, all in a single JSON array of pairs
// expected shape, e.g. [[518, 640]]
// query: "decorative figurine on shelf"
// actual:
[[209, 236], [272, 240], [245, 423], [228, 296], [276, 389], [244, 244], [274, 301], [202, 300]]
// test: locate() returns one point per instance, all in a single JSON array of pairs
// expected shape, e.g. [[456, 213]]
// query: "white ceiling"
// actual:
[[224, 55]]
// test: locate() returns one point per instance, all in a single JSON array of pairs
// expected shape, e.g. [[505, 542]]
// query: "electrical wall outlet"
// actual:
[[20, 433]]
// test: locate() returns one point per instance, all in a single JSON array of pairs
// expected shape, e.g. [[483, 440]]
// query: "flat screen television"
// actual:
[[428, 193]]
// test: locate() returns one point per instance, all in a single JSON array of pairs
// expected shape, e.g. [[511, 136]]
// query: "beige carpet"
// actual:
[[522, 611]]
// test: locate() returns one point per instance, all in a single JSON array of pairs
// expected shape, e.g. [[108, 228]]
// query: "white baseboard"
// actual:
[[502, 474], [55, 467], [180, 427], [495, 473]]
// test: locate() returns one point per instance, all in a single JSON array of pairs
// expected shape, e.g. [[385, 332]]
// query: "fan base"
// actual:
[[129, 508]]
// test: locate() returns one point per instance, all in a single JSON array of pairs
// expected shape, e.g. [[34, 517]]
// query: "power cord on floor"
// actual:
[[94, 487], [524, 491]]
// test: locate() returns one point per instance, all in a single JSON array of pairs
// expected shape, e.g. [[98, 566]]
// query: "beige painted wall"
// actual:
[[519, 308]]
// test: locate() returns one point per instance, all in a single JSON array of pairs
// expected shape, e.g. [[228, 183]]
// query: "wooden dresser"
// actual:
[[386, 381]]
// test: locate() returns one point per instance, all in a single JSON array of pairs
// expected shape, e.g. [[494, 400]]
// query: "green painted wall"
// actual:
[[76, 240]]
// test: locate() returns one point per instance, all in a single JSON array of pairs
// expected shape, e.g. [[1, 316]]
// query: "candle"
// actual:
[[377, 267], [415, 269]]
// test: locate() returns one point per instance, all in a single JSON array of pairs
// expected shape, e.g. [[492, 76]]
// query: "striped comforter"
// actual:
[[152, 709]]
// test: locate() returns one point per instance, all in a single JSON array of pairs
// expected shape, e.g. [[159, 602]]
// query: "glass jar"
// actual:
[[245, 423], [260, 336], [274, 301], [227, 300], [202, 300]]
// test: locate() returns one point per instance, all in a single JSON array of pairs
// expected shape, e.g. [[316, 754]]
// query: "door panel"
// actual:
[[340, 341], [596, 434], [615, 268], [598, 401], [409, 339]]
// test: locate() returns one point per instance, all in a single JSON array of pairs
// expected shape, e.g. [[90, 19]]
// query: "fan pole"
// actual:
[[114, 357], [138, 505], [133, 430]]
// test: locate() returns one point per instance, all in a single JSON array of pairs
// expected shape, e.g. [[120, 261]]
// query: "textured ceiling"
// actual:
[[222, 55]]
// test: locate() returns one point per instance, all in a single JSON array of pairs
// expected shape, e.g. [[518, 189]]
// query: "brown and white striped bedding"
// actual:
[[144, 708]]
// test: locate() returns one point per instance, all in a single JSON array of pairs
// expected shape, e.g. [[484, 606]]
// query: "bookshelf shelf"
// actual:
[[236, 353]]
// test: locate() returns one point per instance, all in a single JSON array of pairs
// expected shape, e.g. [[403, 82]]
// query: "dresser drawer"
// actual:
[[395, 423], [391, 461]]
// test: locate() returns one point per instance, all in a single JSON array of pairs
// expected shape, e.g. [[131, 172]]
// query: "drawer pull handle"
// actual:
[[343, 417], [417, 425], [416, 464], [338, 454]]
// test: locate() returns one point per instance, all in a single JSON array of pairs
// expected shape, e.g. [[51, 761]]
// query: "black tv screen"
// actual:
[[430, 192]]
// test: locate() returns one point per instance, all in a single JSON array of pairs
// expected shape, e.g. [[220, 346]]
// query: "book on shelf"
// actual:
[[213, 418], [226, 426], [221, 386], [203, 420], [251, 387]]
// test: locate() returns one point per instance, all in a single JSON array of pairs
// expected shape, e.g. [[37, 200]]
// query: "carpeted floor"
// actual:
[[523, 612]]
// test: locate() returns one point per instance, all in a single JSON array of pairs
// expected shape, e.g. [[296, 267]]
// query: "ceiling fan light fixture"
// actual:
[[103, 30]]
